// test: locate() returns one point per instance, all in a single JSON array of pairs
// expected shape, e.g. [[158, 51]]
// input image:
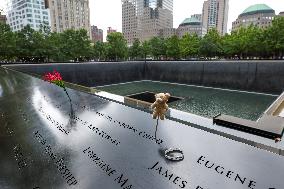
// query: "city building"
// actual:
[[129, 20], [111, 30], [27, 12], [69, 14], [259, 15], [144, 19], [167, 32], [281, 13], [3, 18], [97, 34], [192, 25], [215, 15]]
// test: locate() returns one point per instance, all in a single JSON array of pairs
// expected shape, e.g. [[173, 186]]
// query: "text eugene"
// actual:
[[232, 175], [182, 183]]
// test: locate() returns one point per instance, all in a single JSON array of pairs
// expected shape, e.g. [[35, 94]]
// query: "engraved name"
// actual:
[[119, 178], [98, 131], [232, 175], [59, 162], [168, 175], [58, 125]]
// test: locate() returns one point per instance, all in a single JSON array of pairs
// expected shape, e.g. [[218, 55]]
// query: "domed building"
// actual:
[[192, 25], [259, 15]]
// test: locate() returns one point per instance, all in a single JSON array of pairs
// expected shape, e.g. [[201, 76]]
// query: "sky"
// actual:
[[107, 13]]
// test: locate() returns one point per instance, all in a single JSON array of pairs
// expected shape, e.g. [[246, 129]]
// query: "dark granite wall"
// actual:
[[90, 74], [260, 76]]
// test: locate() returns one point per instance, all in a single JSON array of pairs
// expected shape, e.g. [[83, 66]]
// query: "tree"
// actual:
[[146, 49], [116, 46], [135, 51], [76, 45], [29, 44], [100, 50], [157, 47], [274, 37], [189, 45], [56, 47], [8, 42], [210, 44], [172, 47]]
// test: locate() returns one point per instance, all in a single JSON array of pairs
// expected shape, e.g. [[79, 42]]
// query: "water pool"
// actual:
[[203, 101]]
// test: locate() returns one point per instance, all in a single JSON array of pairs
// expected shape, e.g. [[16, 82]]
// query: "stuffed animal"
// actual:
[[160, 106]]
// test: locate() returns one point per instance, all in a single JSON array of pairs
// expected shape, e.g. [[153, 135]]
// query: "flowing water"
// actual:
[[203, 101]]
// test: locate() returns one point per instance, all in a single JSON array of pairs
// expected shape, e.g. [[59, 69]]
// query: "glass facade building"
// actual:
[[215, 15], [144, 19], [27, 12]]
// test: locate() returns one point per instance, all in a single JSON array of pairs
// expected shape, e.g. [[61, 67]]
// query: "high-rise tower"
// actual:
[[215, 15], [27, 12], [144, 19], [69, 14]]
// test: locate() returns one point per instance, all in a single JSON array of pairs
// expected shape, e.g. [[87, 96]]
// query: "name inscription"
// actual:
[[232, 175], [132, 129], [59, 162], [58, 125], [115, 123], [119, 178], [98, 131], [22, 160], [177, 180]]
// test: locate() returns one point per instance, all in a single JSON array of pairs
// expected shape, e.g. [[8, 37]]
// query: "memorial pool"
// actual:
[[199, 100]]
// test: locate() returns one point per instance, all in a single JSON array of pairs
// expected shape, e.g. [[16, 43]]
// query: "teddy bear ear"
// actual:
[[168, 94]]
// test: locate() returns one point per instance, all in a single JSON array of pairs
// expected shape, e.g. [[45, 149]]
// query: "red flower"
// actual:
[[55, 78]]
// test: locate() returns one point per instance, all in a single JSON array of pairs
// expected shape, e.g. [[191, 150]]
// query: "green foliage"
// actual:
[[116, 46], [7, 42], [189, 45], [146, 49], [172, 47], [43, 45], [74, 45], [210, 44], [157, 47], [275, 37], [100, 52], [136, 51]]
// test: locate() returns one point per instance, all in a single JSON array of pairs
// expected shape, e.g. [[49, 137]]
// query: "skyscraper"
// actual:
[[215, 15], [3, 18], [129, 20], [111, 30], [27, 12], [69, 14], [97, 34], [144, 19]]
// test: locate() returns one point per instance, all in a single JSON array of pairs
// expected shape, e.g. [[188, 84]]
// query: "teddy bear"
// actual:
[[160, 106]]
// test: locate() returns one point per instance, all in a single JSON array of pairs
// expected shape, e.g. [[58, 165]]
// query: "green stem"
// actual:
[[67, 94], [156, 129]]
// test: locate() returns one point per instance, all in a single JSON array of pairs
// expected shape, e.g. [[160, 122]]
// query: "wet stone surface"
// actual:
[[48, 142]]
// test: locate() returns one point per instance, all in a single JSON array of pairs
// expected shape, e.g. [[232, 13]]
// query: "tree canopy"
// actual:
[[251, 42]]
